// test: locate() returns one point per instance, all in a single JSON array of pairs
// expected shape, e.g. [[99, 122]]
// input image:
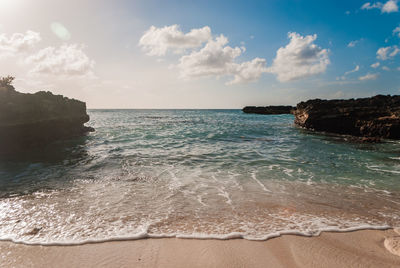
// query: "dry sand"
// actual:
[[352, 249]]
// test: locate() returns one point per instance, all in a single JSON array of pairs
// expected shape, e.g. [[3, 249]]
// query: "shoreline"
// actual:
[[362, 248], [227, 237]]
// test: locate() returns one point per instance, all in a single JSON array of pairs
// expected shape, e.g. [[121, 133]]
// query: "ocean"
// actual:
[[217, 174]]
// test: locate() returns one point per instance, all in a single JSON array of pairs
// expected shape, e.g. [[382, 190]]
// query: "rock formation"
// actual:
[[268, 109], [373, 118], [29, 120]]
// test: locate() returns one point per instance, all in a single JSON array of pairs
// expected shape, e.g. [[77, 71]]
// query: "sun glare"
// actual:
[[7, 5]]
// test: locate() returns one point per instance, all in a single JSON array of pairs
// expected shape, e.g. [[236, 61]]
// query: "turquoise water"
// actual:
[[197, 173]]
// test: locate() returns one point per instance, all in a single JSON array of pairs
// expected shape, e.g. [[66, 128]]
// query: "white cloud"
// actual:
[[353, 43], [385, 53], [368, 6], [299, 59], [389, 7], [343, 77], [18, 43], [396, 31], [375, 65], [218, 59], [368, 77], [214, 59], [67, 60], [356, 69], [385, 68], [157, 41], [249, 71]]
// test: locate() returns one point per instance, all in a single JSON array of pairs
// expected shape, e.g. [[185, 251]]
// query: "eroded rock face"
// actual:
[[268, 109], [375, 117], [28, 120]]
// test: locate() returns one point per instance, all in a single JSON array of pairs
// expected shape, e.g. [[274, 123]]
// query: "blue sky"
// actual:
[[201, 54]]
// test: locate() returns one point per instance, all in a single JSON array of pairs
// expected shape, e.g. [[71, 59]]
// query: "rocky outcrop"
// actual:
[[268, 109], [29, 120], [373, 118]]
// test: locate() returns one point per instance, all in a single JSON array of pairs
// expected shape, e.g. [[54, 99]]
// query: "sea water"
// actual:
[[197, 174]]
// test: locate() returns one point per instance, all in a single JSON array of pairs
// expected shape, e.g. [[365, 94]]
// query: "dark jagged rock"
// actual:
[[30, 120], [371, 118], [268, 109]]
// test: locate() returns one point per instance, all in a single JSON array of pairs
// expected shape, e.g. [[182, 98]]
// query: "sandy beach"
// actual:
[[154, 133], [352, 249]]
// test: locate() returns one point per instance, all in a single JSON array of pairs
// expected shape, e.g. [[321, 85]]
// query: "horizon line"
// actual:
[[164, 108]]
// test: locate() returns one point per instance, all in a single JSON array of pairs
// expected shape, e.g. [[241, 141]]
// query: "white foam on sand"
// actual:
[[392, 244], [254, 177]]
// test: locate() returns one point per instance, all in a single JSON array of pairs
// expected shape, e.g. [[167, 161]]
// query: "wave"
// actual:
[[376, 168], [197, 175], [201, 236]]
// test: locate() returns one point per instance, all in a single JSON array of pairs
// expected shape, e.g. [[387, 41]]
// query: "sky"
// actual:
[[201, 54]]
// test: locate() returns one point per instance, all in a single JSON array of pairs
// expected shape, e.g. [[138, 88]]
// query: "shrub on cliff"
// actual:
[[6, 81]]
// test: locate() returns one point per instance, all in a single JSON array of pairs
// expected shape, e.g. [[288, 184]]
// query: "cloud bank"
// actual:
[[157, 41], [216, 58], [18, 43], [210, 56], [299, 59], [385, 53], [388, 7], [66, 60]]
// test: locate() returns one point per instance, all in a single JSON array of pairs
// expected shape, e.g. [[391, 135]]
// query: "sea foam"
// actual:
[[197, 174]]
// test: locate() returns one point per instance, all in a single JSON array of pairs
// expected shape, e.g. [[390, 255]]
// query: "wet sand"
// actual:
[[351, 249]]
